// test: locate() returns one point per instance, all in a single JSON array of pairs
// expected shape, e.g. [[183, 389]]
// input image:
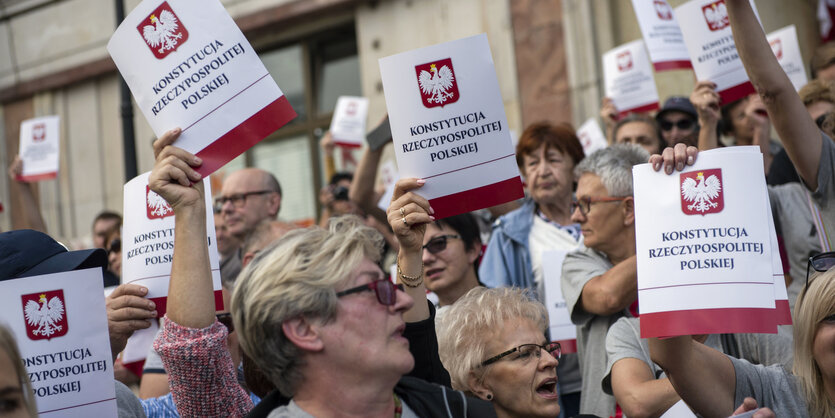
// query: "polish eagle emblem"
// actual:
[[163, 31], [716, 15], [45, 317], [701, 194], [663, 10], [157, 206], [437, 83]]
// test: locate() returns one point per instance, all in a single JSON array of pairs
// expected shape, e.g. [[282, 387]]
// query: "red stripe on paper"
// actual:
[[162, 303], [37, 177], [478, 198], [672, 65], [568, 346], [784, 312], [75, 406], [641, 109], [708, 321], [347, 144], [245, 135], [732, 94]]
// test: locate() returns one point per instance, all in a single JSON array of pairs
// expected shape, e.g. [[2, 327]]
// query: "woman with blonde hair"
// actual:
[[16, 396]]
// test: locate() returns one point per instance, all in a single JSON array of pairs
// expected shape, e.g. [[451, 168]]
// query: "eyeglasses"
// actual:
[[386, 291], [683, 124], [584, 203], [226, 320], [821, 263], [438, 244], [115, 246], [526, 351], [238, 200]]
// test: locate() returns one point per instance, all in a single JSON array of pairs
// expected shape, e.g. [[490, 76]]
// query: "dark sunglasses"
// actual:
[[438, 244], [821, 263], [386, 291], [683, 124], [527, 351], [115, 246], [226, 320]]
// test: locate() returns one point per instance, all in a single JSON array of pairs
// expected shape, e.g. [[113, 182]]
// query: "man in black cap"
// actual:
[[27, 253], [678, 122]]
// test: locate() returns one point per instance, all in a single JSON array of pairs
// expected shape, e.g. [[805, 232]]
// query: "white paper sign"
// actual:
[[188, 65], [348, 123], [449, 126], [787, 50], [560, 326], [148, 241], [388, 177], [710, 44], [591, 136], [679, 410], [139, 344], [60, 324], [662, 35], [629, 81], [39, 148], [704, 251]]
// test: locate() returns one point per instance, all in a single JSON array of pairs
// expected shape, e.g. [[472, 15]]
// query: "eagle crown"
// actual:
[[432, 68], [700, 175], [43, 297], [154, 19]]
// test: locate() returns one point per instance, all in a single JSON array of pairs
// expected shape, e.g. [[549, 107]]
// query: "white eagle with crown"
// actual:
[[44, 316], [163, 32], [158, 205], [717, 15], [437, 83], [701, 193]]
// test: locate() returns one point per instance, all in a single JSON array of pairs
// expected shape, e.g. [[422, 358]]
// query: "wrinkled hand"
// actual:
[[127, 311], [674, 158], [327, 144], [173, 175], [15, 168], [706, 101], [326, 196], [750, 404], [608, 113], [409, 213]]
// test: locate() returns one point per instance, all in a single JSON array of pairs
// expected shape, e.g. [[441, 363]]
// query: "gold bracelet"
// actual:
[[409, 280]]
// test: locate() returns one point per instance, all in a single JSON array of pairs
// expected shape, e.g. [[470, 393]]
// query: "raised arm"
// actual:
[[638, 392], [796, 129], [362, 188], [31, 214], [613, 290], [703, 377], [706, 101]]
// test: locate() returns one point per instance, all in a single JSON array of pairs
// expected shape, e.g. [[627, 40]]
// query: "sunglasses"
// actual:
[[527, 351], [683, 124], [821, 263], [115, 246], [385, 290], [438, 244], [226, 320]]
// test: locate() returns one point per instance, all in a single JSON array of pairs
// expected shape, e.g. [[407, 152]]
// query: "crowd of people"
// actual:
[[313, 324]]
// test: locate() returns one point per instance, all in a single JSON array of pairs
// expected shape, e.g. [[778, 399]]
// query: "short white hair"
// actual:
[[613, 165]]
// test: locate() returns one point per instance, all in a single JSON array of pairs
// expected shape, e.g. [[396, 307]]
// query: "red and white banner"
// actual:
[[591, 136], [39, 148], [705, 258], [348, 123], [189, 66], [449, 126], [148, 241], [627, 74], [786, 48], [710, 44], [60, 324], [560, 326], [662, 35]]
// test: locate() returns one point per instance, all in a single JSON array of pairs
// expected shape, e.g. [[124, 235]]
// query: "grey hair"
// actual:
[[296, 276], [614, 167], [464, 329], [9, 346]]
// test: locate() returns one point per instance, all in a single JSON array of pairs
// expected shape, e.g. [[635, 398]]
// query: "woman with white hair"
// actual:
[[16, 397]]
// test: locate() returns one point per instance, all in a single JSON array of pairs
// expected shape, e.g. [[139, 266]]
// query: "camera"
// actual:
[[340, 193]]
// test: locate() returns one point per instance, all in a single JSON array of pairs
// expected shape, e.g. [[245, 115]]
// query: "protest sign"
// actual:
[[629, 80], [679, 410], [560, 326], [703, 250], [189, 66], [39, 147], [449, 126], [786, 48], [148, 241], [710, 44], [662, 35], [591, 136], [60, 324], [348, 123]]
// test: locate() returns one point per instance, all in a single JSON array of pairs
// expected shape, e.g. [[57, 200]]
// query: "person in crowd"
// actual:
[[113, 246], [104, 224], [451, 249], [227, 245], [334, 198], [822, 64], [16, 396], [546, 156], [493, 343], [599, 280], [639, 129], [678, 122]]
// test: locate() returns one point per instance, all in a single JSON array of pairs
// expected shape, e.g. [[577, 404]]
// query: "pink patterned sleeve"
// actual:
[[202, 377]]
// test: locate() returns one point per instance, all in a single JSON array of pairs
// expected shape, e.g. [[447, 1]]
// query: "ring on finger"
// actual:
[[404, 221], [403, 212]]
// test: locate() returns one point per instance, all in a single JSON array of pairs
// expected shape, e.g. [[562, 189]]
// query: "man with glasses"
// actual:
[[599, 280], [678, 122]]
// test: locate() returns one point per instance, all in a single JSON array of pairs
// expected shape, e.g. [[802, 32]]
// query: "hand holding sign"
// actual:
[[173, 173], [127, 311]]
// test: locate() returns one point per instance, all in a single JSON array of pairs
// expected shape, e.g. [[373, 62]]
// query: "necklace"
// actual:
[[398, 406]]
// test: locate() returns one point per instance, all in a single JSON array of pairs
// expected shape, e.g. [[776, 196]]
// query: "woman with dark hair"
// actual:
[[451, 249]]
